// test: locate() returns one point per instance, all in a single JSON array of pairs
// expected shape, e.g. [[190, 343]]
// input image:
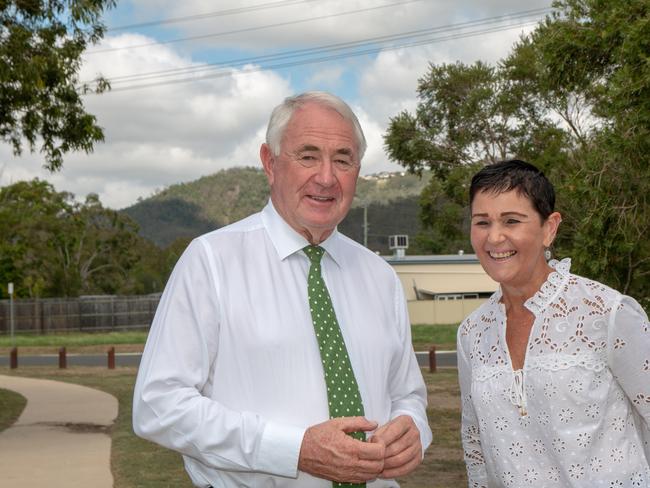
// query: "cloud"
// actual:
[[168, 133], [163, 134]]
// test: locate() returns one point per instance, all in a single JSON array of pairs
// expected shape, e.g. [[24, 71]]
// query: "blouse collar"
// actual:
[[549, 289]]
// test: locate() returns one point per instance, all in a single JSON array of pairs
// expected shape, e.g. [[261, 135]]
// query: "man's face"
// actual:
[[314, 177]]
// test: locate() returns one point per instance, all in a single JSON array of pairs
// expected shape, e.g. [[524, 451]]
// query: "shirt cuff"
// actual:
[[280, 449]]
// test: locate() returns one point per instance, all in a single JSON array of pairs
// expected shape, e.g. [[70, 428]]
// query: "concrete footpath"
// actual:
[[61, 439]]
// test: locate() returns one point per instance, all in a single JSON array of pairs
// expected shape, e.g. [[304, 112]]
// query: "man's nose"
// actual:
[[325, 174]]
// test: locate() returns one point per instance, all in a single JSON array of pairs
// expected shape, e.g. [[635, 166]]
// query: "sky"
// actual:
[[194, 82]]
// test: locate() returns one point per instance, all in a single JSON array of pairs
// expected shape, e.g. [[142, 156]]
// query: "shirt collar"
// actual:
[[287, 241]]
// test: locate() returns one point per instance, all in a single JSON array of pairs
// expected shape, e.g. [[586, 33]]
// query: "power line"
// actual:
[[226, 65], [323, 59], [207, 15], [250, 29]]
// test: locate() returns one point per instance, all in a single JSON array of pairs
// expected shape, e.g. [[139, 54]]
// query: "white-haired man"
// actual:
[[237, 373]]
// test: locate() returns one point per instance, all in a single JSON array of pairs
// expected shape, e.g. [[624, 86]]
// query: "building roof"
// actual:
[[434, 259]]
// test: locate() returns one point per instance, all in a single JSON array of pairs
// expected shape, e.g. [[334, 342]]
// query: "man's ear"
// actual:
[[268, 161]]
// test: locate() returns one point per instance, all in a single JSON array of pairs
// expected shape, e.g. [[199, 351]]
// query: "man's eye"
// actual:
[[481, 223], [513, 221]]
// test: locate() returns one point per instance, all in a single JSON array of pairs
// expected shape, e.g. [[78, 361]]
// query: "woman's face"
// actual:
[[509, 238]]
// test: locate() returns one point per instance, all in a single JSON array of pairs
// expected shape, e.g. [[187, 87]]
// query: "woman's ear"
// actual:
[[551, 225]]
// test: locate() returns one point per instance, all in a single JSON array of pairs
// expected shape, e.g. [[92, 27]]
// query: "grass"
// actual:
[[11, 406], [424, 336], [75, 341], [442, 336], [140, 464]]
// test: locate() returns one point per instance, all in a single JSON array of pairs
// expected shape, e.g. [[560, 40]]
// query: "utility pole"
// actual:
[[10, 289], [365, 225]]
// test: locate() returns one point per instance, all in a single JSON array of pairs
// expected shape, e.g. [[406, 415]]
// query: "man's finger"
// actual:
[[405, 456], [393, 430], [372, 452], [410, 438], [355, 424], [401, 470]]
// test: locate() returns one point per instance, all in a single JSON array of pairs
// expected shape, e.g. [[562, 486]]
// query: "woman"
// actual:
[[554, 368]]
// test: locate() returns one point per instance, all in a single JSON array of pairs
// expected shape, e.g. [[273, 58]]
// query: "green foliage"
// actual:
[[187, 210], [468, 116], [600, 51], [54, 246], [40, 55], [573, 97]]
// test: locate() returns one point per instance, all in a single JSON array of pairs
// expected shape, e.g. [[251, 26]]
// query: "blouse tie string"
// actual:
[[518, 393]]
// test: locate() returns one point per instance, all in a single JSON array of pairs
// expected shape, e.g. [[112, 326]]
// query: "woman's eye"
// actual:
[[481, 223]]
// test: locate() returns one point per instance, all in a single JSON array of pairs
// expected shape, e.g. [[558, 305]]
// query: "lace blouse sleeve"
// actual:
[[470, 433], [629, 356]]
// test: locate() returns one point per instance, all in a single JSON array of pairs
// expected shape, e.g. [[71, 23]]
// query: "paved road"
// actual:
[[443, 359]]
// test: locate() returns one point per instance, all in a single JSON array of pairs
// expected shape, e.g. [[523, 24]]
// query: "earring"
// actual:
[[547, 254]]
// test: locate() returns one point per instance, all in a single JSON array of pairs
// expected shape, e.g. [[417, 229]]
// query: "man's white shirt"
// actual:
[[231, 375]]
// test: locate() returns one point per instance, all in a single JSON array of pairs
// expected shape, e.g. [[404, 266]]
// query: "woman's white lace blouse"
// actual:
[[577, 413]]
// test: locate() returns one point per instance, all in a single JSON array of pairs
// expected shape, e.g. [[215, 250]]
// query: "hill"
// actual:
[[186, 210]]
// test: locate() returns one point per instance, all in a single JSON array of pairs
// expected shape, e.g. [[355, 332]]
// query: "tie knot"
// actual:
[[314, 253]]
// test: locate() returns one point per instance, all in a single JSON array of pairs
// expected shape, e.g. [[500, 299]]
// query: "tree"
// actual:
[[468, 116], [592, 57], [51, 245], [30, 213], [573, 97], [41, 43], [95, 250]]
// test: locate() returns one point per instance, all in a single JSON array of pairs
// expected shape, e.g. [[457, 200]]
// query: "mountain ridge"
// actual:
[[186, 210]]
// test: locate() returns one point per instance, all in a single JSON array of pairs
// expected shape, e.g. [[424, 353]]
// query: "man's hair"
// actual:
[[281, 116], [517, 175]]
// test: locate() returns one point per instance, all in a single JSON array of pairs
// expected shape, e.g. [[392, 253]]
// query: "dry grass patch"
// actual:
[[137, 463]]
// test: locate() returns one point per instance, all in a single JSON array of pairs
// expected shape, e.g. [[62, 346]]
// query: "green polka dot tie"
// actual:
[[342, 388]]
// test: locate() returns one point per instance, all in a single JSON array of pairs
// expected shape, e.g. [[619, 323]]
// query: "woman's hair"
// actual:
[[517, 175], [282, 114]]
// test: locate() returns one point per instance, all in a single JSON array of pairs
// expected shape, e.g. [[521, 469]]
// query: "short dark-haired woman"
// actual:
[[554, 368]]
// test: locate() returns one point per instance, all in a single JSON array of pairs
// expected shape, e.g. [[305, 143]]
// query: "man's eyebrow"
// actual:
[[343, 150], [309, 147]]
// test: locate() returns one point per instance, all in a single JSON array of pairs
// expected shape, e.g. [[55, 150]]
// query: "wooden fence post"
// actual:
[[432, 359], [13, 358], [111, 358], [63, 363]]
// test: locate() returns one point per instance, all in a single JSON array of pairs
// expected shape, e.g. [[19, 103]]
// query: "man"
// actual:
[[234, 375]]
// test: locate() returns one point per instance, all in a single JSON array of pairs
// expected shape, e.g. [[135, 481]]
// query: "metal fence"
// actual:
[[87, 313]]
